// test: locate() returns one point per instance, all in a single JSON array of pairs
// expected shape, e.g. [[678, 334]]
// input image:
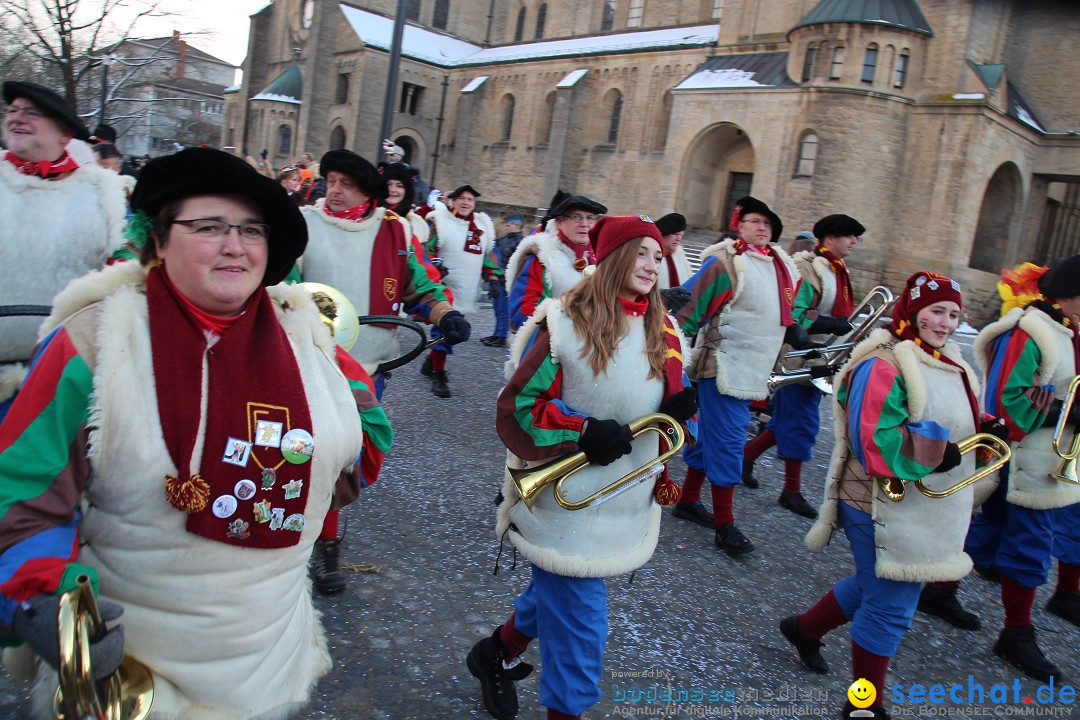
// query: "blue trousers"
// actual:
[[880, 610], [721, 435], [569, 616], [501, 305], [795, 421]]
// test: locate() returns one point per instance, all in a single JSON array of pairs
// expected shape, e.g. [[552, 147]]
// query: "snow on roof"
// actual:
[[572, 78], [276, 98], [474, 83], [726, 78], [438, 49], [740, 71]]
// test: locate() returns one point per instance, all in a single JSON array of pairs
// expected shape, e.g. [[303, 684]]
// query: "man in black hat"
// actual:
[[676, 268], [60, 219], [550, 262]]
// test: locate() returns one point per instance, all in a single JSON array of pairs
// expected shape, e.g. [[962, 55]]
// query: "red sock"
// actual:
[[438, 360], [865, 664], [691, 487], [329, 526], [753, 449], [513, 641], [1068, 577], [792, 476], [823, 617], [556, 715], [1017, 601], [722, 499]]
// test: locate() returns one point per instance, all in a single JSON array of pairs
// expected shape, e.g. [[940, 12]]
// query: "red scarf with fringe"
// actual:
[[472, 237], [784, 284], [45, 170], [844, 303], [389, 259]]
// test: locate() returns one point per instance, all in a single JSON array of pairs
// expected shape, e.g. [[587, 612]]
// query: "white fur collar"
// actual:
[[91, 288], [1037, 324]]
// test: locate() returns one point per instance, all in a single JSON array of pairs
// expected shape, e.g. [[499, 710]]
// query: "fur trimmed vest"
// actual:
[[558, 260], [465, 268], [816, 271], [918, 539], [616, 536], [740, 344], [229, 632], [339, 254], [1033, 458]]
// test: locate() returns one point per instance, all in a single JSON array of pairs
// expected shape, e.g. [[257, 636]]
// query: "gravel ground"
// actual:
[[691, 620]]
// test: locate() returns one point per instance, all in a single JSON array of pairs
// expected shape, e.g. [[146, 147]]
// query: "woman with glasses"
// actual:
[[548, 263], [183, 432]]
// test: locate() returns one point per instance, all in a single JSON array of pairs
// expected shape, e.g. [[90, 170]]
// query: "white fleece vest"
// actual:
[[465, 267], [918, 539], [51, 232], [682, 269], [339, 254], [551, 252], [229, 632], [749, 325], [619, 535], [1033, 459]]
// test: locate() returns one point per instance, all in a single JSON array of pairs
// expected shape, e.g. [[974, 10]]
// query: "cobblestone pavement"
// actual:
[[692, 619]]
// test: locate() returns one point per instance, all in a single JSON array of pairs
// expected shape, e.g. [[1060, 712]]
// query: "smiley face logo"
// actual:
[[862, 693]]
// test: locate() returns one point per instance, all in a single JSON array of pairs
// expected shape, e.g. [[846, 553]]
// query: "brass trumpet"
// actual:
[[876, 303], [129, 692], [1066, 472], [991, 443], [530, 481]]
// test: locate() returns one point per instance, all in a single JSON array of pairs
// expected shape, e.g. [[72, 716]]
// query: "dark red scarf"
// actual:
[[389, 258], [583, 254], [784, 284], [672, 271], [473, 235], [253, 376], [47, 169], [844, 303]]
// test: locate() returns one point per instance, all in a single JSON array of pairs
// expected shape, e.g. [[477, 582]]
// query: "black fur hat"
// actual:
[[577, 201], [838, 226], [1062, 280], [747, 205], [364, 173], [671, 223], [403, 173], [48, 102]]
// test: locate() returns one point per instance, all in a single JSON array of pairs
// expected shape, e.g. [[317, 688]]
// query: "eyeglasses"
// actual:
[[579, 219], [28, 111], [758, 221], [250, 233]]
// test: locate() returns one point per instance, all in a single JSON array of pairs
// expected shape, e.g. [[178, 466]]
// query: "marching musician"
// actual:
[[577, 357], [902, 401], [1029, 358], [795, 420], [676, 268]]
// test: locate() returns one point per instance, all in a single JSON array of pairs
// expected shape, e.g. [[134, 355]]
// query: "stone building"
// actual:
[[951, 128]]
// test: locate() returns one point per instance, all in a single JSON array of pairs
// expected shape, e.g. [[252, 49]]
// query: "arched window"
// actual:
[[543, 131], [541, 19], [869, 66], [607, 19], [519, 30], [508, 117], [412, 10], [808, 63], [807, 155], [616, 118], [900, 71], [284, 140], [337, 138], [442, 14], [634, 13], [837, 62]]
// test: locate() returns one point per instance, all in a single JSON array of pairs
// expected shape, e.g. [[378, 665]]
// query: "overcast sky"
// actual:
[[224, 22]]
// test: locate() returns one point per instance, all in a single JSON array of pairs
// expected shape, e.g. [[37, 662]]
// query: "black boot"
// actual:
[[425, 367], [809, 649], [875, 712], [1017, 645], [940, 600], [748, 478], [695, 512], [485, 662], [324, 567], [731, 540], [988, 572], [1066, 605], [796, 503], [439, 388]]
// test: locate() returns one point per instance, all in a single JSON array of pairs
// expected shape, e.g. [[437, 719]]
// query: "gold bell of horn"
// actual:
[[893, 489], [337, 313], [1066, 472]]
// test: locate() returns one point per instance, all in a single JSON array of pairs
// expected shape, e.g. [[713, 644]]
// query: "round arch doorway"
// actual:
[[718, 170]]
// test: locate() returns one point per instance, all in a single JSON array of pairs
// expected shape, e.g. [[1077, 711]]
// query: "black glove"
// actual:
[[605, 441], [995, 427], [821, 371], [39, 627], [681, 406], [951, 459], [797, 337], [496, 289], [455, 328], [674, 298], [264, 153], [831, 325]]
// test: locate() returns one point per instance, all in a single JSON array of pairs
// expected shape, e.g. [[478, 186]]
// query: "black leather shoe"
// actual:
[[439, 386], [988, 572], [493, 341], [731, 540], [796, 503], [940, 600], [485, 662], [1017, 645], [876, 713], [695, 512], [425, 367], [326, 573], [1066, 605], [809, 649], [748, 478]]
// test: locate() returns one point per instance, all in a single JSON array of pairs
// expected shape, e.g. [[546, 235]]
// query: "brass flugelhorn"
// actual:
[[991, 443], [1066, 472], [128, 692], [875, 304], [530, 481]]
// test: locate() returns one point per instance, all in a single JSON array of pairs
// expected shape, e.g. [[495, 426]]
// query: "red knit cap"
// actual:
[[922, 289], [611, 231]]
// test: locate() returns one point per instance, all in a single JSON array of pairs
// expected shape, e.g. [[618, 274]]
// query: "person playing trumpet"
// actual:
[[599, 357], [901, 402]]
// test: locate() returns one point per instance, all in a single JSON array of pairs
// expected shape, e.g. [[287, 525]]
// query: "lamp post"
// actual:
[[391, 76], [105, 63]]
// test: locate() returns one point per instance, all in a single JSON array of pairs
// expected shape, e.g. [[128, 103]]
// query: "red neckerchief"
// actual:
[[844, 303], [45, 169], [354, 214], [203, 320], [635, 308], [472, 237], [252, 375], [583, 254], [784, 285]]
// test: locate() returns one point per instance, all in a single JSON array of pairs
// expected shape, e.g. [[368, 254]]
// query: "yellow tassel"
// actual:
[[187, 495]]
